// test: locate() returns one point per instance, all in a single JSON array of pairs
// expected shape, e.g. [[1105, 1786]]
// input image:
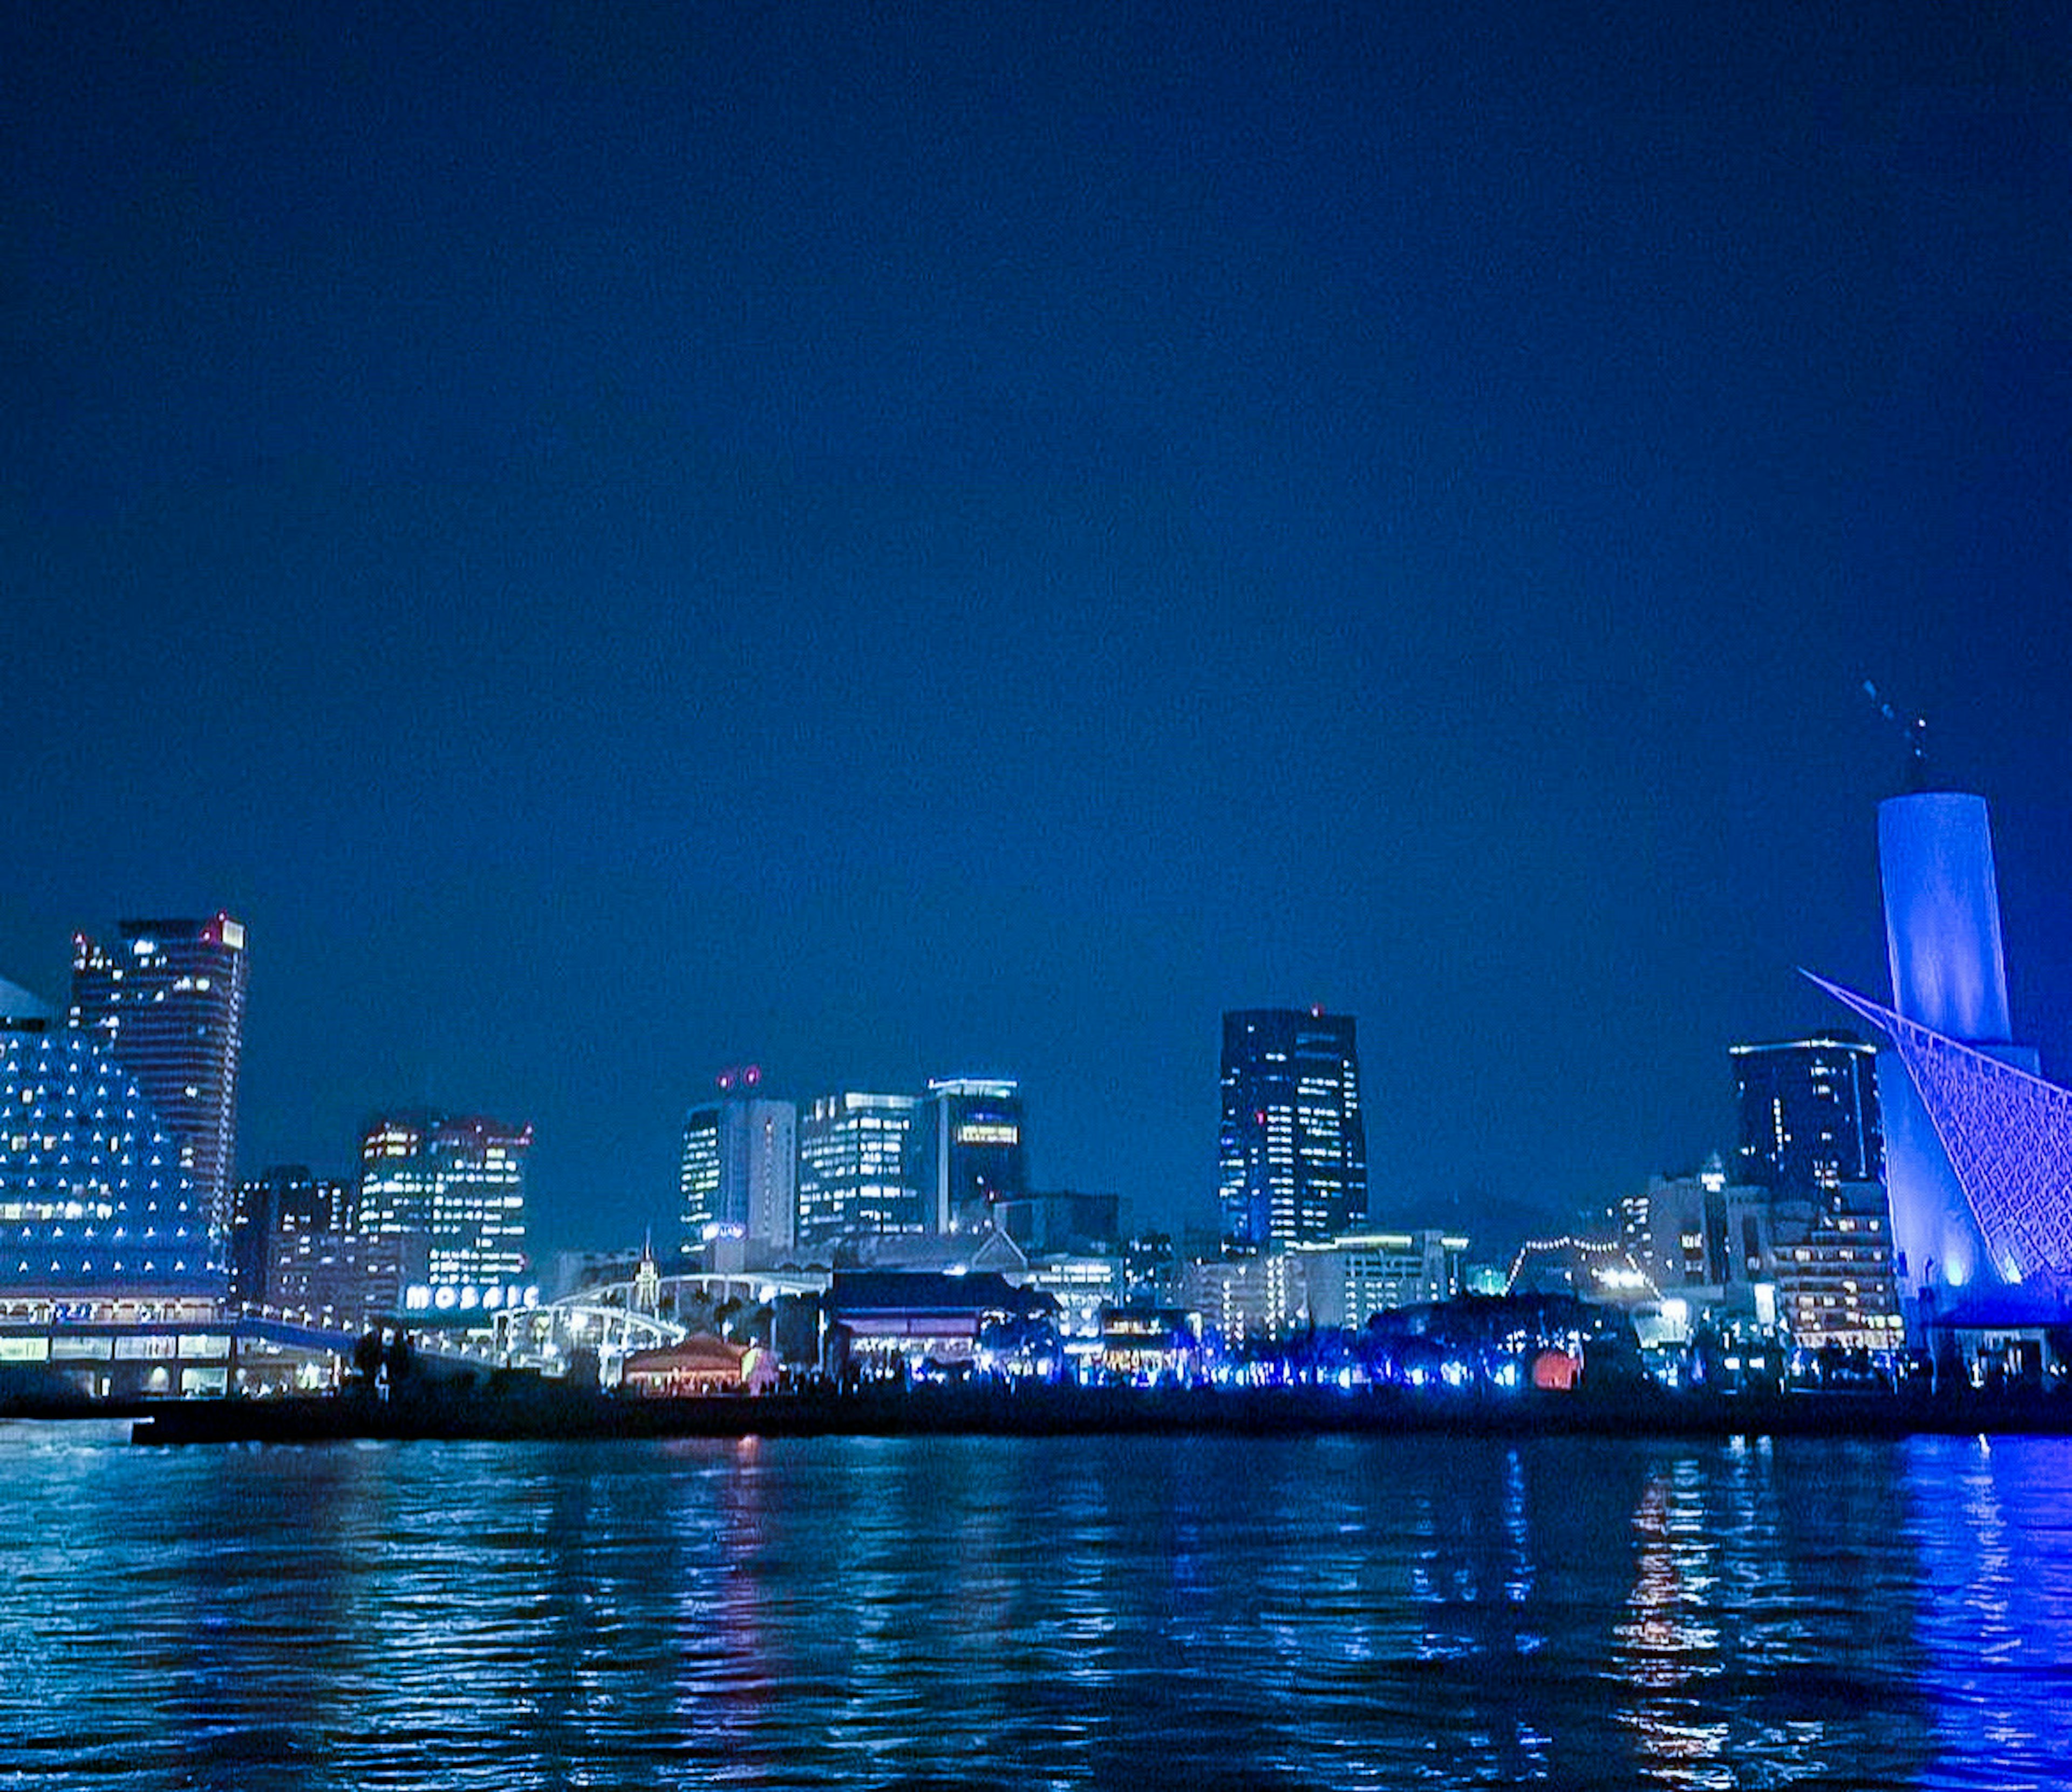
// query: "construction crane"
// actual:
[[1914, 733]]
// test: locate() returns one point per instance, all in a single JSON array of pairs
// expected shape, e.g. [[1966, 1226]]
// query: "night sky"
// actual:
[[892, 541]]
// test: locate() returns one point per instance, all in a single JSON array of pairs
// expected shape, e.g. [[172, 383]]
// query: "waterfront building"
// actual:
[[1352, 1278], [1248, 1299], [700, 1364], [459, 1179], [736, 1179], [1816, 1262], [858, 1171], [1978, 1143], [1809, 1114], [108, 1286], [166, 997], [1152, 1344], [92, 1195], [978, 1156], [337, 1280], [282, 1200], [1293, 1150], [1084, 1288], [1830, 1257], [920, 1322]]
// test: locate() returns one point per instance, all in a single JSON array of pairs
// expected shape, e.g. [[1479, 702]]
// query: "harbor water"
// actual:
[[1370, 1612]]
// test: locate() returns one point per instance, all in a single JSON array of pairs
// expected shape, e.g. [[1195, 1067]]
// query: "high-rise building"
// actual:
[[92, 1193], [1809, 1114], [460, 1179], [281, 1200], [167, 999], [858, 1172], [1293, 1156], [737, 1181], [977, 1156]]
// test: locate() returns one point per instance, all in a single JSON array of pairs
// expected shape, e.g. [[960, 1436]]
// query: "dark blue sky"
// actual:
[[894, 540]]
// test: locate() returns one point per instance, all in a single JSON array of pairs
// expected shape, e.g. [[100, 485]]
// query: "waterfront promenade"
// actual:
[[521, 1409]]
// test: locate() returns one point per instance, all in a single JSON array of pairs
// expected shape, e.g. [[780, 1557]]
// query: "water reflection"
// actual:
[[1993, 1525], [1067, 1613]]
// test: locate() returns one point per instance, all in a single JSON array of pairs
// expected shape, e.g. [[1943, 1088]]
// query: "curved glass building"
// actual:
[[92, 1193]]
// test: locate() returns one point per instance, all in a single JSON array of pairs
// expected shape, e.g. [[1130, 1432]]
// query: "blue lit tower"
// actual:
[[1293, 1149], [1978, 1145], [1949, 975], [91, 1193]]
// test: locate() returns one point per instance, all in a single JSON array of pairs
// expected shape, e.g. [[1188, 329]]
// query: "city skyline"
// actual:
[[953, 543]]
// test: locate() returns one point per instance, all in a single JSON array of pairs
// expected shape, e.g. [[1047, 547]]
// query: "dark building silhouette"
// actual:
[[1809, 1114], [283, 1200], [978, 1155]]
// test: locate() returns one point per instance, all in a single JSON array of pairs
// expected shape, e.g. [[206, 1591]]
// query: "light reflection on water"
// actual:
[[1352, 1612]]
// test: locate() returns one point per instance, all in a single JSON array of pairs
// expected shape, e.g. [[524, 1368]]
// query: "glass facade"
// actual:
[[856, 1167], [460, 1180], [1292, 1157], [738, 1173], [167, 999], [978, 1156], [92, 1192], [1809, 1114]]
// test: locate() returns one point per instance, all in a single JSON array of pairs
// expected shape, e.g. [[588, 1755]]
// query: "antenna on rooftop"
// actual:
[[1915, 733]]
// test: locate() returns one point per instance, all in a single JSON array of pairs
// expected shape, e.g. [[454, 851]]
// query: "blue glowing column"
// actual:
[[1949, 971], [1942, 915]]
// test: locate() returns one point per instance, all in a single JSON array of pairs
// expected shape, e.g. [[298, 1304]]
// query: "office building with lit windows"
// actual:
[[737, 1178], [282, 1200], [166, 998], [858, 1168], [1809, 1114], [978, 1156], [460, 1180], [1349, 1279], [1293, 1149]]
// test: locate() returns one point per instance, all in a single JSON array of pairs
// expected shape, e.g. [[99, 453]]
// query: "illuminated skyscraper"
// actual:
[[737, 1180], [91, 1193], [1293, 1153], [1809, 1114], [460, 1180], [168, 999], [858, 1172], [977, 1158]]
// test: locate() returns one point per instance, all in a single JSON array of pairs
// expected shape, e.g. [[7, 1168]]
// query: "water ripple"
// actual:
[[1063, 1613]]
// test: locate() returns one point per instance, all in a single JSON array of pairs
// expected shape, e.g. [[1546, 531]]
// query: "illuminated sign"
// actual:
[[451, 1297], [987, 1133]]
